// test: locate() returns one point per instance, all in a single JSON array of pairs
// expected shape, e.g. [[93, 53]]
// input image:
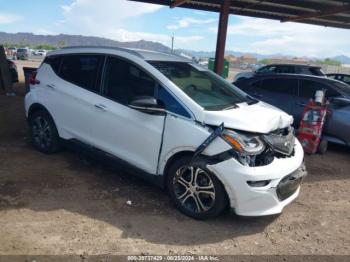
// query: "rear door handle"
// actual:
[[258, 95], [52, 86], [301, 104], [101, 107]]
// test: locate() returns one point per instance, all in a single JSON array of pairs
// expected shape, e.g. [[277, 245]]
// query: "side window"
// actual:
[[308, 88], [282, 86], [267, 69], [284, 70], [170, 103], [332, 76], [255, 84], [54, 62], [124, 81], [346, 79], [83, 71]]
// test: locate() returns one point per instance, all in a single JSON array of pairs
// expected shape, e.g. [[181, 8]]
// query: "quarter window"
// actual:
[[54, 62], [82, 70]]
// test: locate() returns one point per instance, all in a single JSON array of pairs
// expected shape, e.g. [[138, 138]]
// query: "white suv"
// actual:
[[175, 123]]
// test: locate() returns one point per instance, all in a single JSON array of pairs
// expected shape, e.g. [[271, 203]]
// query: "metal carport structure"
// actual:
[[330, 13]]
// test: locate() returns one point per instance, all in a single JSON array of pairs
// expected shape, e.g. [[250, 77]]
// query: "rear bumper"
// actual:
[[283, 178]]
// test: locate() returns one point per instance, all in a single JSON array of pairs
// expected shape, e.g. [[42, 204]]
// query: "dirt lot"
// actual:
[[64, 204]]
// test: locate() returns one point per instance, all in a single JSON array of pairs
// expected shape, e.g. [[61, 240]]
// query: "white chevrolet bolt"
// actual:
[[173, 122]]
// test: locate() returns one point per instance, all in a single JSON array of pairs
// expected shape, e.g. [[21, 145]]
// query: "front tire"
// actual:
[[43, 132], [322, 147], [195, 191]]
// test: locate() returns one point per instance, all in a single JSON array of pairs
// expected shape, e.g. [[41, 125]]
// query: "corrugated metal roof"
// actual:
[[329, 13]]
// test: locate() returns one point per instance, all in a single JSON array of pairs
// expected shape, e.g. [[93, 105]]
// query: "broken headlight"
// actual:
[[246, 145]]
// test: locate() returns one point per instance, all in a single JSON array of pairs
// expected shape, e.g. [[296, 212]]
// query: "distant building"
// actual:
[[232, 59], [289, 60], [244, 59], [248, 59]]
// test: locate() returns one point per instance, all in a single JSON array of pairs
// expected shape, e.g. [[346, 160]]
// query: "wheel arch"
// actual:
[[189, 153], [39, 107]]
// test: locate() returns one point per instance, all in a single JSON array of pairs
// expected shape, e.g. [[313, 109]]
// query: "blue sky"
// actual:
[[129, 21]]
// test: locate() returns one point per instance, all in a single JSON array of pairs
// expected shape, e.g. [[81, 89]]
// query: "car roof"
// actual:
[[314, 66], [289, 76], [143, 54], [337, 74]]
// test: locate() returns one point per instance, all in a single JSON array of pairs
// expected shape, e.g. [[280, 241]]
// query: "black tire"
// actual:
[[322, 147], [202, 204], [43, 132]]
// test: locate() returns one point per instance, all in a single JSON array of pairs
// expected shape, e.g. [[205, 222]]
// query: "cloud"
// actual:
[[109, 18], [125, 36], [187, 21], [9, 18], [270, 37], [99, 17]]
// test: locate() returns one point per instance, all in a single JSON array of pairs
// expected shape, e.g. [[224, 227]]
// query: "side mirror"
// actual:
[[147, 104], [340, 101]]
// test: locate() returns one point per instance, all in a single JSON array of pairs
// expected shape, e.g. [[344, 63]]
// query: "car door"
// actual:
[[306, 91], [72, 84], [278, 91], [122, 131], [337, 123]]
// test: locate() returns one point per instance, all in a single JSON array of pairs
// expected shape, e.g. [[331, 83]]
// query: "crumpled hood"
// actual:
[[257, 118]]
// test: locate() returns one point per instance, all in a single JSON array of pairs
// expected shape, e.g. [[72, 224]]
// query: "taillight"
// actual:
[[33, 80]]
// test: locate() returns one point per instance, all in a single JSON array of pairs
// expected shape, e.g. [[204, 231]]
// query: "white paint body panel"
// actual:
[[259, 118], [136, 137]]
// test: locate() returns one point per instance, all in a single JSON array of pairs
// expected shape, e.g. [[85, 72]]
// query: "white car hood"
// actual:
[[256, 118]]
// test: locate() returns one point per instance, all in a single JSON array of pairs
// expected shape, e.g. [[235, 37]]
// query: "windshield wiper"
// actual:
[[231, 107], [251, 101]]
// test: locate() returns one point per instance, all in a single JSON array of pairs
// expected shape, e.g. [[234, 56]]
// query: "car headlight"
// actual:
[[244, 144]]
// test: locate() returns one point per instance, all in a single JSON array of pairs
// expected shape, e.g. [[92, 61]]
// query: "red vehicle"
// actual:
[[311, 127]]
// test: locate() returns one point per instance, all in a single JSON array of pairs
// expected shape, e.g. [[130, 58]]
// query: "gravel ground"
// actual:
[[66, 204]]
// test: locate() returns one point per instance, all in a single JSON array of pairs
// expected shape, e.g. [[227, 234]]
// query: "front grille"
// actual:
[[282, 141], [289, 184]]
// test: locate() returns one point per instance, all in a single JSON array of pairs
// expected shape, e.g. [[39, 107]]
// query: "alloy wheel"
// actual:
[[194, 189], [41, 131]]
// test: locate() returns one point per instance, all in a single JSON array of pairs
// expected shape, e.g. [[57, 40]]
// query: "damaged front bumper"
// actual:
[[262, 190]]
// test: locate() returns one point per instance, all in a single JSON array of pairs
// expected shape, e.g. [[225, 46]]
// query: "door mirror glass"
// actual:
[[147, 104], [340, 101]]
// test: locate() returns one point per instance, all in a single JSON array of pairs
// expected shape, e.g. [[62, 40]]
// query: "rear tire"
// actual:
[[195, 191], [43, 132]]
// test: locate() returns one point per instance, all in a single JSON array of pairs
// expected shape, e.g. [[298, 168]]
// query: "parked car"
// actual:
[[13, 70], [173, 122], [291, 93], [340, 77], [282, 69], [23, 53], [40, 52]]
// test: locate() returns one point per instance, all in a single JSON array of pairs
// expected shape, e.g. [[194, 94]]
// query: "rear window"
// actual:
[[82, 70], [316, 71]]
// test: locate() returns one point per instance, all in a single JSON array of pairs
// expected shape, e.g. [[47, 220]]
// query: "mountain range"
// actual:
[[79, 40]]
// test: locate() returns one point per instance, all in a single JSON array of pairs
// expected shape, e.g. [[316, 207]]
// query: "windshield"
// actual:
[[206, 88]]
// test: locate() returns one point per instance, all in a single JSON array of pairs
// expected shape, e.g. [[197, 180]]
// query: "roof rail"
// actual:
[[128, 50]]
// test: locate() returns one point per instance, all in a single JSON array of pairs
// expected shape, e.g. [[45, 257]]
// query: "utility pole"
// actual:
[[172, 43]]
